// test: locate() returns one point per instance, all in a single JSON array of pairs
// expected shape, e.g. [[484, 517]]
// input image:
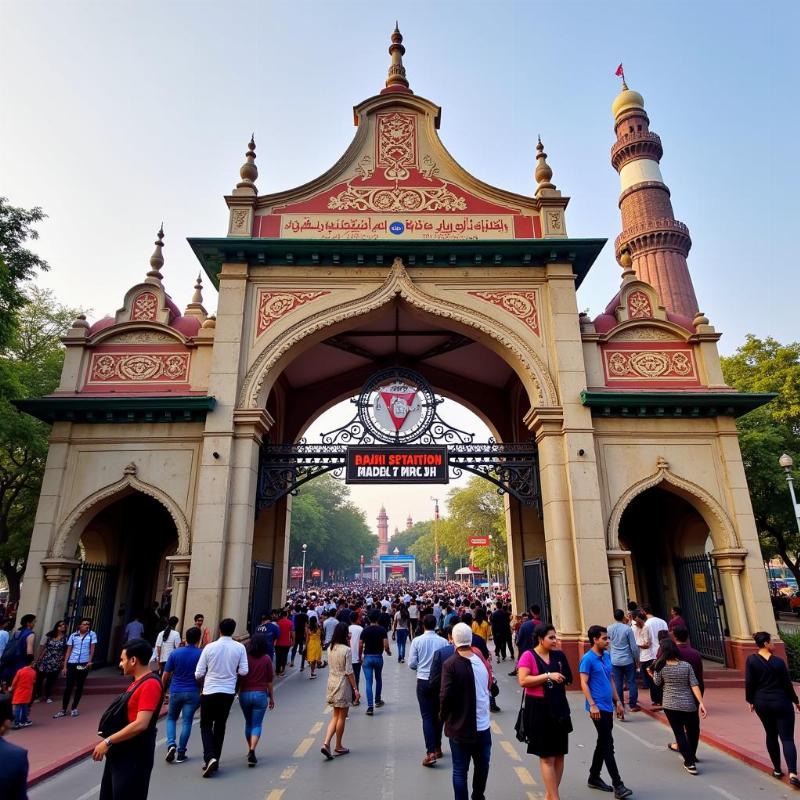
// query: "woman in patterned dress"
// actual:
[[341, 690], [50, 661]]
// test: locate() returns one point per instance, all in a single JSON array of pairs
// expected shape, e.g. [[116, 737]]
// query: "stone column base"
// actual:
[[736, 651]]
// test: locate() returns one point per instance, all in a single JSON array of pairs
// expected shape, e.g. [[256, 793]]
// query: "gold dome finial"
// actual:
[[396, 80], [543, 173], [157, 259], [627, 99], [626, 262], [249, 170]]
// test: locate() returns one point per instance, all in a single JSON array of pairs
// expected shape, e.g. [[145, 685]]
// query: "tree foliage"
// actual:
[[335, 531], [31, 362], [765, 365]]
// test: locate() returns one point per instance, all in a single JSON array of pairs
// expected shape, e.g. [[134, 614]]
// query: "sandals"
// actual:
[[343, 752], [673, 747], [325, 750]]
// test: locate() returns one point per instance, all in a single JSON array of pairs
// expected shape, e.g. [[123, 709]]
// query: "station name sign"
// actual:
[[388, 464]]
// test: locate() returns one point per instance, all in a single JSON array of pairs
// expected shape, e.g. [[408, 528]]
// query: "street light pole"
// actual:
[[303, 582], [435, 538], [787, 463]]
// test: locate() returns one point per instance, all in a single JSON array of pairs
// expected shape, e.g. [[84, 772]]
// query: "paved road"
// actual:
[[387, 750]]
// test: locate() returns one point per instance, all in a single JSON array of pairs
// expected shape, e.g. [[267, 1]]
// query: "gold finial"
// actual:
[[249, 170], [626, 262], [157, 259], [700, 319], [396, 80], [543, 172]]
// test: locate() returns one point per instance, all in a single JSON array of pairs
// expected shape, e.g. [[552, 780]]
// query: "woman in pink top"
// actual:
[[544, 673]]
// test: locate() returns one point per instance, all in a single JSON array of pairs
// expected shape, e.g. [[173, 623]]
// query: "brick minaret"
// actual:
[[409, 523], [657, 242], [383, 532]]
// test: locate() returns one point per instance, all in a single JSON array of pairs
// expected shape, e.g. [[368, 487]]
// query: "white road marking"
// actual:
[[90, 793], [639, 739], [724, 793]]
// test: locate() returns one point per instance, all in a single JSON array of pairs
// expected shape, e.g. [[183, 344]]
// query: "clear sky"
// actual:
[[118, 115]]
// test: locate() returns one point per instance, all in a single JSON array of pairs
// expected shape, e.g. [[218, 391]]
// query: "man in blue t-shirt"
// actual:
[[184, 694], [601, 701], [269, 629]]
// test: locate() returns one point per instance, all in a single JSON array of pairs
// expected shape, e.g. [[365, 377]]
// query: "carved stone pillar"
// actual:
[[731, 563], [616, 571], [58, 574], [180, 579]]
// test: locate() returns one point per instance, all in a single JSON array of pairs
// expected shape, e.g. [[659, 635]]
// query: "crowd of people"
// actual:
[[441, 630]]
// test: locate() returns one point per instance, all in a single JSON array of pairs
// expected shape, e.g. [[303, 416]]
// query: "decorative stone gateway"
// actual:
[[178, 436]]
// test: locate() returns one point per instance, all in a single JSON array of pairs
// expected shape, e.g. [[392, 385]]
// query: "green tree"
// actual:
[[17, 263], [31, 362], [765, 365], [403, 540], [334, 529]]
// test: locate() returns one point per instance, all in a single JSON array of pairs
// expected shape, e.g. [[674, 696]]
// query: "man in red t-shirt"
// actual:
[[284, 642], [129, 752]]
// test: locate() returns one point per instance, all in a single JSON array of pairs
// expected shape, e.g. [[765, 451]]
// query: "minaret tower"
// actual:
[[657, 242], [409, 523], [383, 532]]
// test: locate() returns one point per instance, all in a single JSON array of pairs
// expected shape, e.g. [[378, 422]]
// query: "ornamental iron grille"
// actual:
[[398, 408]]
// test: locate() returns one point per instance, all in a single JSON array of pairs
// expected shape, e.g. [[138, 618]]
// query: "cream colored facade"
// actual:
[[623, 413]]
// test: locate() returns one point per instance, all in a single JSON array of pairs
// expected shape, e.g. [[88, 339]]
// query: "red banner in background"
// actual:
[[295, 572], [478, 541], [316, 573]]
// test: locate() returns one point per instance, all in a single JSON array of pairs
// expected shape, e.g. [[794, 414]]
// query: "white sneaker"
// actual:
[[74, 712]]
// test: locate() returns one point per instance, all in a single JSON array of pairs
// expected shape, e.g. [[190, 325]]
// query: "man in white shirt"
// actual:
[[355, 638], [420, 659], [78, 659], [653, 624], [221, 662]]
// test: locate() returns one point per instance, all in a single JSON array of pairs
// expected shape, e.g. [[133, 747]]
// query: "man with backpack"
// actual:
[[129, 728], [18, 647]]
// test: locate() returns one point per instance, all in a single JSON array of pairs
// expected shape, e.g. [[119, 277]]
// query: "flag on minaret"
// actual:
[[620, 73]]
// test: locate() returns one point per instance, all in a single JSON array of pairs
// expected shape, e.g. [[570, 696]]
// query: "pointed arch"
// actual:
[[533, 373], [90, 506], [722, 530]]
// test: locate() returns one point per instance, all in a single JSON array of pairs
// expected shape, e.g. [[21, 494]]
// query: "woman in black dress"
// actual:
[[769, 691], [544, 673]]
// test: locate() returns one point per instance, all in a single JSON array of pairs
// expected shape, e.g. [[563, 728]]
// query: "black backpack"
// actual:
[[115, 717], [10, 650]]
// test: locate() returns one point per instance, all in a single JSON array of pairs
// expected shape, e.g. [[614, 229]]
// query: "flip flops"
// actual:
[[326, 752], [343, 752]]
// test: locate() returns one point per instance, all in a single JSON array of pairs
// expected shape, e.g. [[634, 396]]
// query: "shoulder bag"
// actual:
[[115, 717]]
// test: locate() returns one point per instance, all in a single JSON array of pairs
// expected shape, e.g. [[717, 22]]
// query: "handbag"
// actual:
[[115, 717], [519, 725]]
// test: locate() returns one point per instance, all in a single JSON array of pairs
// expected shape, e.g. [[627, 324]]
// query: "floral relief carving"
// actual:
[[723, 533], [396, 142], [649, 364], [140, 337], [554, 220], [139, 367], [521, 304], [365, 168], [274, 305], [398, 284], [645, 334], [639, 306], [383, 199], [145, 307], [239, 219]]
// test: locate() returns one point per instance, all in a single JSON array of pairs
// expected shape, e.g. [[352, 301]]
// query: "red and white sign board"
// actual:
[[478, 541], [316, 573], [397, 570], [295, 572]]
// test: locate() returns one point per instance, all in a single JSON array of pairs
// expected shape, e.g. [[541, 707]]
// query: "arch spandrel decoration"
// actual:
[[535, 378], [722, 530], [103, 497]]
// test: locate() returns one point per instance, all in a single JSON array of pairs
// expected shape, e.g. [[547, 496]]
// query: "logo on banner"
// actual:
[[397, 228]]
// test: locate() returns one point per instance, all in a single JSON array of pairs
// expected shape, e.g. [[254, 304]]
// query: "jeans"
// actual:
[[402, 636], [21, 713], [778, 722], [214, 710], [656, 692], [604, 749], [281, 654], [429, 709], [480, 752], [686, 727], [373, 665], [254, 706], [628, 672], [356, 672], [75, 680], [183, 705]]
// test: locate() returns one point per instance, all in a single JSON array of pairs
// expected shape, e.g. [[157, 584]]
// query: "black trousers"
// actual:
[[45, 681], [281, 654], [656, 692], [502, 641], [604, 749], [778, 722], [75, 680], [214, 710], [126, 775], [686, 727]]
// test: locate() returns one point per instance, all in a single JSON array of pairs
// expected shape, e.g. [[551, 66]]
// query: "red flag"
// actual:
[[620, 73]]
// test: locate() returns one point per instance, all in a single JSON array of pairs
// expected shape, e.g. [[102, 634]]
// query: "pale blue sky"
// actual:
[[117, 115]]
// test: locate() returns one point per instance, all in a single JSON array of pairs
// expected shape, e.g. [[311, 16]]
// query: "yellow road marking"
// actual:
[[317, 727], [495, 728], [524, 776], [303, 748], [287, 774], [532, 796], [509, 748], [275, 794]]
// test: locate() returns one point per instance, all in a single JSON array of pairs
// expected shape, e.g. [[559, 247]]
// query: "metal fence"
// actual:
[[701, 603], [91, 594]]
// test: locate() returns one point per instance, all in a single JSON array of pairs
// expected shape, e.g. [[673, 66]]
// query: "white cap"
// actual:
[[462, 635]]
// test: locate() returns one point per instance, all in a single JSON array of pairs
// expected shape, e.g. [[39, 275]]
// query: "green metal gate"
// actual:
[[701, 601], [91, 594], [537, 588]]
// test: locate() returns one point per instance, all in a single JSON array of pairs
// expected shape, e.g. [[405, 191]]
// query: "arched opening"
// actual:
[[670, 564], [123, 551]]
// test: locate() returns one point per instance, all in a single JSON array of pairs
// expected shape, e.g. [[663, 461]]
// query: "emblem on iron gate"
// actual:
[[396, 406]]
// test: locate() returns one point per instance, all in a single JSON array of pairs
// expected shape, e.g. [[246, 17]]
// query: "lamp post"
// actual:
[[303, 582], [435, 538], [787, 463]]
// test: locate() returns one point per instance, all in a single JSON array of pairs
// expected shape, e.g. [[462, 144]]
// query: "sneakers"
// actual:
[[512, 673], [621, 790], [251, 758], [370, 711], [210, 767], [379, 703], [439, 754], [74, 712], [26, 724], [59, 714], [49, 700], [691, 769], [429, 760], [600, 784], [180, 758], [634, 709], [171, 751]]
